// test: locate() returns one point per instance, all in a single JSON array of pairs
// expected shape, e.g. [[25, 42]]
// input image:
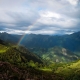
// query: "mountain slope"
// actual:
[[9, 38], [17, 63], [71, 42], [55, 54], [9, 72], [17, 54], [70, 71]]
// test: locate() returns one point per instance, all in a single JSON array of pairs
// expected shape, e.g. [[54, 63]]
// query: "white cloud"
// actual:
[[50, 14], [56, 19], [45, 32], [13, 31], [73, 2], [39, 16]]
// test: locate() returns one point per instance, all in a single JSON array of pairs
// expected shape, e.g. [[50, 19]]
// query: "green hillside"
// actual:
[[3, 48], [70, 71], [55, 54], [17, 54], [18, 63]]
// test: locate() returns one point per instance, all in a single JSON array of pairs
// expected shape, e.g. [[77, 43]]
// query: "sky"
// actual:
[[40, 16]]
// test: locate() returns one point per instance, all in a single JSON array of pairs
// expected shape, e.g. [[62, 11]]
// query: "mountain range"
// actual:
[[18, 63], [71, 42]]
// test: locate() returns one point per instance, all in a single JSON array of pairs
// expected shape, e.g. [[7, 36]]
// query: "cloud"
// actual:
[[50, 14], [58, 20], [73, 2], [40, 16]]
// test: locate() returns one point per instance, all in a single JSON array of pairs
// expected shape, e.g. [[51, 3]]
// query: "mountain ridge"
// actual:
[[71, 42], [16, 54]]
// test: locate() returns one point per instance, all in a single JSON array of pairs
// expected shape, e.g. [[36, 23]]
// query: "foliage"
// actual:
[[55, 54], [18, 63]]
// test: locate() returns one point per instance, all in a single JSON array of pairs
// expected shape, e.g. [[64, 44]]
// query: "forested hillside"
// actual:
[[18, 63]]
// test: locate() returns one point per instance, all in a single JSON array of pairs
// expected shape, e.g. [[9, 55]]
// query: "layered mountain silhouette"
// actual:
[[71, 42], [9, 38]]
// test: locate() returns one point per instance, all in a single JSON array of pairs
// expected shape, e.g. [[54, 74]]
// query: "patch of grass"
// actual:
[[75, 65], [2, 51], [3, 48], [46, 69]]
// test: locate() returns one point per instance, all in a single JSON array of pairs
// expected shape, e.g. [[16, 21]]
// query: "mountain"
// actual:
[[9, 72], [18, 63], [62, 72], [16, 54], [55, 54], [70, 71], [9, 38], [71, 42]]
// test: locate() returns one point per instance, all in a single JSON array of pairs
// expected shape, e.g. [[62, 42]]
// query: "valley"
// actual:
[[18, 62], [39, 39]]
